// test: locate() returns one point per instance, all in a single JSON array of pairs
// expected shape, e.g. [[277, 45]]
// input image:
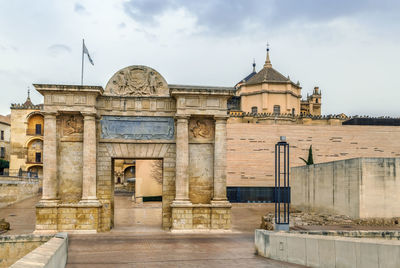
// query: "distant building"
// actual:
[[5, 137], [312, 105], [26, 138], [270, 92]]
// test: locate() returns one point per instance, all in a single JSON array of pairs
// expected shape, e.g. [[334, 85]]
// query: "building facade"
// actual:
[[137, 116], [27, 128], [5, 137], [270, 92]]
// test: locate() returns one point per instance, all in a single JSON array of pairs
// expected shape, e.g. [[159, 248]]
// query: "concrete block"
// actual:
[[389, 255], [367, 254], [312, 251], [345, 253], [326, 252], [296, 249]]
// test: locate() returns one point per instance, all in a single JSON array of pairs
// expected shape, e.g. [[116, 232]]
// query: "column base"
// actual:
[[48, 203], [221, 203], [90, 202], [181, 203]]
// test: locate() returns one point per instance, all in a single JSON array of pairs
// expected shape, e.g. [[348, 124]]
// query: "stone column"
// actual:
[[182, 160], [89, 158], [50, 183], [220, 159]]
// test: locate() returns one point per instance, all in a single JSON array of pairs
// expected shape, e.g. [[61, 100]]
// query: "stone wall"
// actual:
[[359, 188], [12, 191], [14, 247], [70, 171], [250, 152]]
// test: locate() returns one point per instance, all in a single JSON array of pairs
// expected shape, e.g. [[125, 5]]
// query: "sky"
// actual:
[[350, 49]]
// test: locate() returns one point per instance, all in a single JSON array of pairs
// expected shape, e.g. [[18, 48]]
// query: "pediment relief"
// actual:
[[137, 81]]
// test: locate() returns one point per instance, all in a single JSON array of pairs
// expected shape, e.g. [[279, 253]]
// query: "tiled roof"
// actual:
[[5, 119], [267, 74]]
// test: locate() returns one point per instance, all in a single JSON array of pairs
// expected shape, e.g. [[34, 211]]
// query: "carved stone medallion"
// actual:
[[137, 81], [201, 129], [71, 125]]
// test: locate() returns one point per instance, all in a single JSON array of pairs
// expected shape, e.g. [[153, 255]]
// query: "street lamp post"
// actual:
[[282, 187]]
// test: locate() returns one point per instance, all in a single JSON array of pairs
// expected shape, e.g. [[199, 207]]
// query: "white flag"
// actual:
[[85, 50]]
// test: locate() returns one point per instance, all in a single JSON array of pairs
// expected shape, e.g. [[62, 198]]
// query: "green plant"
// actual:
[[310, 160], [4, 164]]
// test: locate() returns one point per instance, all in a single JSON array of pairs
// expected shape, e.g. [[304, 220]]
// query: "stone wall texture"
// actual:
[[12, 191], [250, 152], [70, 171], [14, 247], [359, 187]]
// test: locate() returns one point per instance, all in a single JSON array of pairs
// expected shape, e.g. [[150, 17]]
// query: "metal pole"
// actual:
[[275, 189], [288, 195], [83, 44]]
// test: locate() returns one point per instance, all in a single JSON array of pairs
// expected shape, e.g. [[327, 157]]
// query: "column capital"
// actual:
[[221, 118], [182, 117], [89, 115], [49, 114]]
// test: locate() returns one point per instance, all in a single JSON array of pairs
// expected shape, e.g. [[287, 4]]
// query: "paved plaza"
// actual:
[[138, 240]]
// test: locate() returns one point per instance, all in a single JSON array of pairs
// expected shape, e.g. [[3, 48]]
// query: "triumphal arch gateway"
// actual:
[[137, 116]]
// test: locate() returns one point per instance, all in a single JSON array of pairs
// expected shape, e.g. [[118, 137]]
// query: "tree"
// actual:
[[3, 164], [310, 160]]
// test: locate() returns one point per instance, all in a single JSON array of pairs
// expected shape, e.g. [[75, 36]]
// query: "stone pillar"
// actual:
[[220, 159], [89, 158], [50, 183], [182, 160]]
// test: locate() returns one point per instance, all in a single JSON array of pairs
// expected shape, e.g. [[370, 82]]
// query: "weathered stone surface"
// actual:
[[137, 128], [201, 173], [137, 81], [136, 112]]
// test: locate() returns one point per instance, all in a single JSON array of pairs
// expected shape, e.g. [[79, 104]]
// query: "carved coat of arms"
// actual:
[[137, 81]]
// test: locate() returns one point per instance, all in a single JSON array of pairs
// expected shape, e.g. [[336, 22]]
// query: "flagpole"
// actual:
[[83, 44]]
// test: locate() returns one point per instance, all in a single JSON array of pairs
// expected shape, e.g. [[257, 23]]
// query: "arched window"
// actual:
[[316, 100], [277, 109], [293, 111], [254, 110]]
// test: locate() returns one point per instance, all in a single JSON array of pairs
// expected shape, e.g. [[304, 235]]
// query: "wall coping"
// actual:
[[53, 253]]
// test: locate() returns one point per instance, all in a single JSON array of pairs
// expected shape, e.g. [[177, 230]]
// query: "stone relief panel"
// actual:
[[71, 125], [137, 128], [201, 130], [137, 81]]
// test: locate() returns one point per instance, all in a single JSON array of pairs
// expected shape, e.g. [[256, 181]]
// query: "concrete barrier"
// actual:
[[52, 254], [327, 251]]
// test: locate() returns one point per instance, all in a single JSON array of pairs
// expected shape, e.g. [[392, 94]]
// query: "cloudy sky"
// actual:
[[350, 49]]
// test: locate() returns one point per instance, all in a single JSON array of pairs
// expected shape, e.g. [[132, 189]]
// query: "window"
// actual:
[[38, 157], [254, 110], [38, 130], [277, 109], [293, 111], [316, 100], [2, 135], [3, 152]]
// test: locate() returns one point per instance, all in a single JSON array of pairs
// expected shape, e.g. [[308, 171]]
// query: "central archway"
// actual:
[[109, 151]]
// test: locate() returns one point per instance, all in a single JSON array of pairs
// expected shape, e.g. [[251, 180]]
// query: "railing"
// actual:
[[33, 132], [32, 160]]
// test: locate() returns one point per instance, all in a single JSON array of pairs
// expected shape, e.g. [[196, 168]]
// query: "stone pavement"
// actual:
[[138, 241], [21, 216], [165, 250]]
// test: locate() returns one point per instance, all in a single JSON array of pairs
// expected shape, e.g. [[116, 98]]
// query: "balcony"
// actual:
[[35, 160], [34, 132]]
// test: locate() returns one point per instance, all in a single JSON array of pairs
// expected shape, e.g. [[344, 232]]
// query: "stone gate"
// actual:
[[138, 115]]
